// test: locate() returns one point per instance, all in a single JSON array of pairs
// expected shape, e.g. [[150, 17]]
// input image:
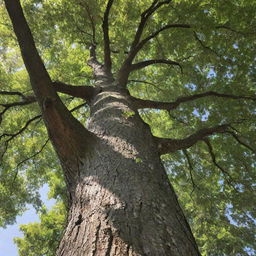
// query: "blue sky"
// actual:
[[7, 246]]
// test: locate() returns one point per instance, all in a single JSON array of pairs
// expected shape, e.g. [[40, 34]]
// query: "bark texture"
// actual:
[[122, 202]]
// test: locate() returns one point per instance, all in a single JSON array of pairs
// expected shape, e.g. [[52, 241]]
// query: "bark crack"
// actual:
[[110, 241], [96, 239]]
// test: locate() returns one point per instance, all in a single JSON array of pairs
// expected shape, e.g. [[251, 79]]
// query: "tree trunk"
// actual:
[[121, 202], [121, 199]]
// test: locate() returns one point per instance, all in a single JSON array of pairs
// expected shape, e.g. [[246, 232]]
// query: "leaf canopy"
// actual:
[[214, 179]]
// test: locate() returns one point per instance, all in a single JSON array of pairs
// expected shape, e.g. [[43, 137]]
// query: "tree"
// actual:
[[170, 78]]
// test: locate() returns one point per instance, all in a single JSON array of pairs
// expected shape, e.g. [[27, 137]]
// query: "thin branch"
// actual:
[[146, 63], [139, 103], [153, 35], [12, 93], [91, 19], [236, 137], [29, 158], [26, 101], [234, 30], [185, 152], [171, 145], [13, 135], [146, 82], [213, 157], [179, 120], [205, 46], [144, 18], [83, 31], [84, 92], [78, 107], [105, 27]]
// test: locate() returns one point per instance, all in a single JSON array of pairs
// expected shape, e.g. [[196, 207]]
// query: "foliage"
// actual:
[[42, 238], [214, 179]]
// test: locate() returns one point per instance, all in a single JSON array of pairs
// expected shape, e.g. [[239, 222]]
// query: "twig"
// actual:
[[185, 152]]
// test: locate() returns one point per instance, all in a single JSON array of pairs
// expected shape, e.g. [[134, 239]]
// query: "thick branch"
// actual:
[[39, 77], [171, 145], [105, 27], [59, 121], [143, 19], [139, 103], [146, 63], [84, 92]]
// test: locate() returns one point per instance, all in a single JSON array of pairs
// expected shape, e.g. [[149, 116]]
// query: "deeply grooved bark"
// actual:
[[110, 241], [96, 239], [127, 205]]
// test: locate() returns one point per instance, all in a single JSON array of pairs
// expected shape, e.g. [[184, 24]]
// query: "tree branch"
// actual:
[[124, 71], [185, 152], [105, 27], [205, 46], [147, 82], [236, 137], [146, 63], [233, 30], [13, 135], [171, 145], [139, 103], [12, 93], [84, 92], [26, 101], [93, 27], [18, 103], [213, 157], [144, 18], [59, 121], [78, 107], [27, 159], [40, 79], [153, 35]]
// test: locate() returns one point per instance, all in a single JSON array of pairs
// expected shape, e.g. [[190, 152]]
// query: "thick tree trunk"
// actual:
[[121, 199], [121, 202]]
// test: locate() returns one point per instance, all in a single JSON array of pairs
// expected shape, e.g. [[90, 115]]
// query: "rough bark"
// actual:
[[122, 202]]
